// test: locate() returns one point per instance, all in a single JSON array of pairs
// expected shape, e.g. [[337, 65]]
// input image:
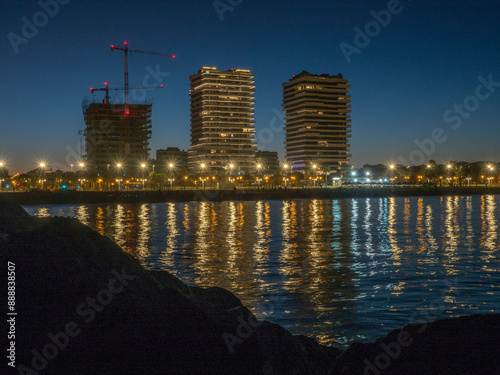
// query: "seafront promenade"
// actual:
[[88, 197]]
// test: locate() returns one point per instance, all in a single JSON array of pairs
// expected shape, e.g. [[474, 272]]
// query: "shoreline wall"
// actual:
[[93, 197]]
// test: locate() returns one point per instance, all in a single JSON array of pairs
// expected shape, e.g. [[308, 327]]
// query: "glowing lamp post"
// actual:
[[259, 167], [1, 181], [81, 165], [143, 168], [315, 176], [42, 166], [119, 167], [202, 179]]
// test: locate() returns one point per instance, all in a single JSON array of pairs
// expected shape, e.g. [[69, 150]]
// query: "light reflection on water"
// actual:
[[339, 270]]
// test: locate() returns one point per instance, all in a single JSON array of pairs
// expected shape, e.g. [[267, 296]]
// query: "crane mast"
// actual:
[[126, 50]]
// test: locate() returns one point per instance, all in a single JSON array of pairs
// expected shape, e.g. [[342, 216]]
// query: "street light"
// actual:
[[42, 166], [119, 166], [259, 166], [143, 168], [1, 174], [202, 166], [490, 167], [81, 165], [315, 176]]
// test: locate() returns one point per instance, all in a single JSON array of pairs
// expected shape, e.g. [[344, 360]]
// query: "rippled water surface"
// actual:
[[340, 270]]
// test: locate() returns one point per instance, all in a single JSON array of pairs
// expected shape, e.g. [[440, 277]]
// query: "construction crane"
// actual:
[[106, 89], [126, 50]]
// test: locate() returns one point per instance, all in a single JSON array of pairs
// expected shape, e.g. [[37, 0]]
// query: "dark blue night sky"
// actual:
[[431, 71]]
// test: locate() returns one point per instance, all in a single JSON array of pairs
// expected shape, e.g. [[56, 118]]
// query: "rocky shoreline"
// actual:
[[86, 307], [90, 197]]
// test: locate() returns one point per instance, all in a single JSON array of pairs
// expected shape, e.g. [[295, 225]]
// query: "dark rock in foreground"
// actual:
[[467, 345], [86, 307]]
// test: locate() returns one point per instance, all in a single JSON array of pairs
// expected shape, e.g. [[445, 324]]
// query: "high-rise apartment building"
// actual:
[[222, 120], [317, 121]]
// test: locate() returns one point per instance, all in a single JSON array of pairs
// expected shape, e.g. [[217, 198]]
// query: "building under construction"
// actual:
[[117, 142]]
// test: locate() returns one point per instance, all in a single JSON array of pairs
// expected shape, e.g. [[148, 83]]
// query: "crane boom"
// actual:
[[106, 88], [126, 50], [152, 53]]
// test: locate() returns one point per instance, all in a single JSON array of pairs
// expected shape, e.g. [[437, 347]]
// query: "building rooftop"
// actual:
[[323, 75]]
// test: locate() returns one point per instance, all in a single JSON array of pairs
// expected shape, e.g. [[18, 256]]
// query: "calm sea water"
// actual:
[[339, 270]]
